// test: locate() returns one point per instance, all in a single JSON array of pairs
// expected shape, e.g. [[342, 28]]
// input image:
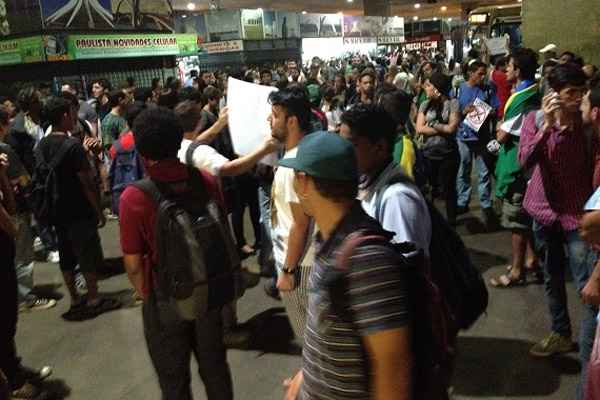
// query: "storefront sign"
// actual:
[[223, 25], [421, 45], [359, 40], [19, 51], [82, 47], [390, 39], [223, 47]]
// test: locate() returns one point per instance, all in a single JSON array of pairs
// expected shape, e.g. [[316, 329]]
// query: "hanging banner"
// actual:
[[231, 46], [83, 47], [320, 25], [386, 30], [252, 24], [19, 16], [223, 25], [270, 25], [20, 51]]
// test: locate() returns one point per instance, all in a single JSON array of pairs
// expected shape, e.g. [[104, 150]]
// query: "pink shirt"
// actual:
[[561, 180]]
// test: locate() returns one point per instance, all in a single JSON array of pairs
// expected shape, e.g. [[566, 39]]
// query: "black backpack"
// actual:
[[460, 282], [433, 333], [45, 185], [198, 268]]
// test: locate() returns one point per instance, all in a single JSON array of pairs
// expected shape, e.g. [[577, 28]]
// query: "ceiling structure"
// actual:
[[427, 9]]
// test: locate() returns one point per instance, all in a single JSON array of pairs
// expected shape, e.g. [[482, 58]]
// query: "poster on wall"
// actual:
[[77, 14], [320, 25], [153, 14], [252, 24], [223, 25], [392, 30], [362, 26], [19, 16], [194, 23], [288, 25]]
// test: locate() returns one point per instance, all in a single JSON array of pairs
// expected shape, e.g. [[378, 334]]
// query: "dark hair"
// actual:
[[526, 61], [282, 84], [115, 97], [155, 82], [397, 103], [102, 82], [327, 92], [295, 103], [500, 62], [55, 108], [367, 72], [157, 133], [168, 100], [71, 98], [26, 97], [568, 53], [372, 122], [4, 116], [189, 114], [192, 94], [336, 191], [143, 94], [194, 73], [133, 111], [211, 93], [266, 71], [566, 74], [130, 81], [475, 65], [549, 64]]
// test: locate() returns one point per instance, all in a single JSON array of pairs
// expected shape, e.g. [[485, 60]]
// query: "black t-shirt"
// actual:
[[73, 204]]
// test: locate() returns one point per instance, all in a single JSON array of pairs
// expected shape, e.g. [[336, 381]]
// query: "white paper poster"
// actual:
[[249, 109], [477, 117]]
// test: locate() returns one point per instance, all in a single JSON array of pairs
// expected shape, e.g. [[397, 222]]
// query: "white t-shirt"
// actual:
[[205, 157], [403, 211], [283, 194]]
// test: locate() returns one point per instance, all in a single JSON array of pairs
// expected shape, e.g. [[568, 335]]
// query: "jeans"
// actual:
[[266, 251], [24, 256], [468, 151], [552, 242], [171, 342]]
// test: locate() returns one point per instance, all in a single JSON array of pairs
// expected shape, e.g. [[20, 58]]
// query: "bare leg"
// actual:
[[519, 250], [92, 287]]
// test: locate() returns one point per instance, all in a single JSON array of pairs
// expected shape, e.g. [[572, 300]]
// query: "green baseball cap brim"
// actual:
[[324, 155]]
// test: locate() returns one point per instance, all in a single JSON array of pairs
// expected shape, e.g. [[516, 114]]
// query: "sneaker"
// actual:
[[37, 304], [53, 257], [553, 344], [27, 391]]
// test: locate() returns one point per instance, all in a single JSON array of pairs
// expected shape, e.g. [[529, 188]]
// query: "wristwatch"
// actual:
[[288, 270]]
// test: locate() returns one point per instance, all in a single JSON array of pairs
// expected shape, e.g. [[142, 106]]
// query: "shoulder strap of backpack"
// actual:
[[60, 154], [147, 186], [189, 154]]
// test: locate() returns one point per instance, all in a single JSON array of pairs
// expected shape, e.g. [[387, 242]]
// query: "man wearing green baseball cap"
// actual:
[[371, 344]]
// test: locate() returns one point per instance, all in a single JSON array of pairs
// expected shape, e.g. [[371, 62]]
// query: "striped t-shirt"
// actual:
[[370, 297]]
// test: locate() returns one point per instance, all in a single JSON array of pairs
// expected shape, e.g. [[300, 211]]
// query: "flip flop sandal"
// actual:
[[506, 281]]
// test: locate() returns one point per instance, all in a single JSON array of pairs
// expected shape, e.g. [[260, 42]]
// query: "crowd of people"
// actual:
[[365, 148]]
